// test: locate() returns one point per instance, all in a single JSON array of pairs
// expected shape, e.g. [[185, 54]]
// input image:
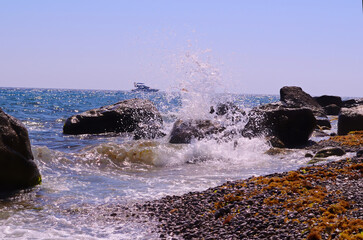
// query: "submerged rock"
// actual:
[[185, 130], [293, 126], [17, 168], [133, 115], [350, 119]]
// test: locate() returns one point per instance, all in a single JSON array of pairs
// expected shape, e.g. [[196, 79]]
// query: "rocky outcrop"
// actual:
[[292, 126], [17, 168], [295, 97], [185, 130], [133, 115], [350, 119]]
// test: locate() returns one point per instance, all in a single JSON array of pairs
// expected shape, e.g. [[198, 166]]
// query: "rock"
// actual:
[[360, 153], [134, 115], [349, 103], [293, 126], [229, 113], [322, 154], [350, 119], [326, 100], [185, 130], [330, 151], [17, 167], [332, 109], [352, 103], [295, 97], [330, 104], [275, 142], [227, 108]]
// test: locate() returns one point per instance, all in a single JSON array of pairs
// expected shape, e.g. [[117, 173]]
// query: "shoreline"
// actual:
[[316, 202], [319, 201]]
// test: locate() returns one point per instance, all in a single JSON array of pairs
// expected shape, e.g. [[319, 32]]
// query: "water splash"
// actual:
[[197, 81]]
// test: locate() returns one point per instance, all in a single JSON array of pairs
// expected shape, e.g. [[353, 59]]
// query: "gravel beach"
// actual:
[[316, 202]]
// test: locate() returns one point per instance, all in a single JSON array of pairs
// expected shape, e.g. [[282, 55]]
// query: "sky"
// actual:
[[254, 46]]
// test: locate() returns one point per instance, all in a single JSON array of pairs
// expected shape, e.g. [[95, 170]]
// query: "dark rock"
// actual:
[[360, 153], [185, 130], [293, 126], [323, 123], [17, 168], [275, 142], [350, 119], [352, 103], [349, 103], [225, 108], [332, 109], [133, 115], [295, 97], [326, 100]]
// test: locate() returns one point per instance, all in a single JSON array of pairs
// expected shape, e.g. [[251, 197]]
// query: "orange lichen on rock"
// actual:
[[354, 138]]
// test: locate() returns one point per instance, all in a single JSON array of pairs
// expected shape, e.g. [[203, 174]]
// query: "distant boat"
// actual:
[[141, 87]]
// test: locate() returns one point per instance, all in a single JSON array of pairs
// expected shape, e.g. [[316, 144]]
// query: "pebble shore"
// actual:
[[316, 202]]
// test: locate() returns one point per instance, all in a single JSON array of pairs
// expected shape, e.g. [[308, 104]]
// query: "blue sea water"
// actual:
[[85, 175]]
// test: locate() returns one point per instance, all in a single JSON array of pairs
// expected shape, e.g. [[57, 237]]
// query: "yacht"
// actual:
[[141, 87]]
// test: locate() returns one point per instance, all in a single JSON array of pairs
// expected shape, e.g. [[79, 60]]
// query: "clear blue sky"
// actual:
[[259, 46]]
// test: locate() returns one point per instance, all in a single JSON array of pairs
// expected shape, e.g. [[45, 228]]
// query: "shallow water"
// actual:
[[83, 174]]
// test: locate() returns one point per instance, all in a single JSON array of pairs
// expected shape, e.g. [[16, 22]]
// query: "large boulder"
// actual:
[[185, 130], [133, 115], [330, 104], [292, 126], [17, 167], [295, 97], [326, 100], [350, 119]]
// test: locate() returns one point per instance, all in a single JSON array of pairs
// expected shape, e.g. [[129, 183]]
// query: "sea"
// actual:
[[84, 176]]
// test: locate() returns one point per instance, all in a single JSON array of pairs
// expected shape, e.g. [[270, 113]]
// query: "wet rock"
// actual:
[[327, 152], [228, 107], [350, 119], [293, 126], [276, 151], [360, 153], [275, 142], [17, 168], [323, 123], [133, 115], [185, 130]]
